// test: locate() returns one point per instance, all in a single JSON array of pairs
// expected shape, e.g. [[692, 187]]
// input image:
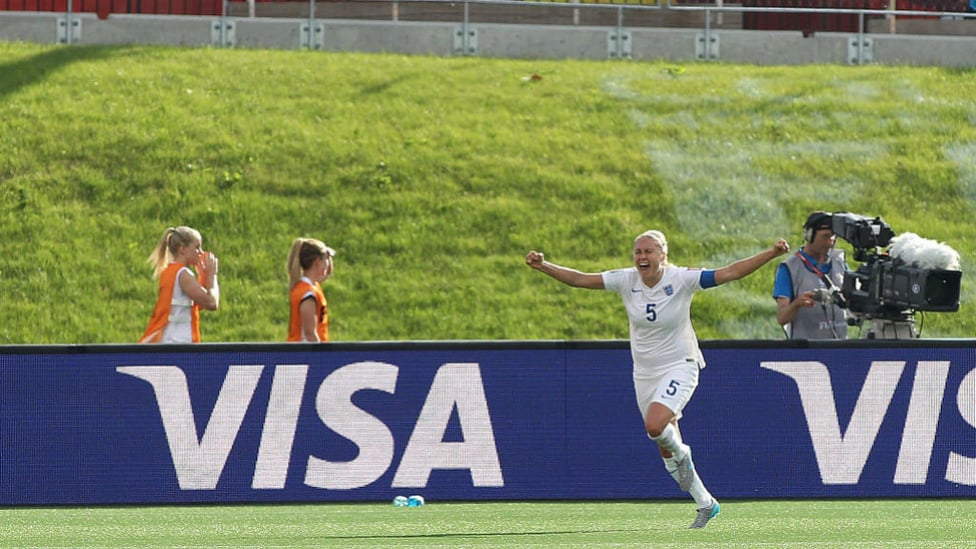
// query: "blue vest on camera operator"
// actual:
[[818, 322]]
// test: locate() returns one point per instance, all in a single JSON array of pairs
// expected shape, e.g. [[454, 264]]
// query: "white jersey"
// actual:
[[179, 328], [661, 334]]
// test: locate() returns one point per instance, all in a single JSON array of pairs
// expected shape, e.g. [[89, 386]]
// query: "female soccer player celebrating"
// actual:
[[663, 344]]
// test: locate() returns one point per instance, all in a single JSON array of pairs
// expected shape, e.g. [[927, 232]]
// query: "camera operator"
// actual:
[[807, 286]]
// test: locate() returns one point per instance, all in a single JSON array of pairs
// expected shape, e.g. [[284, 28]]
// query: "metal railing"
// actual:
[[618, 18]]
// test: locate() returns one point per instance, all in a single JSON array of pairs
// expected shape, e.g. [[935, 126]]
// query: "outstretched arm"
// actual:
[[570, 277], [749, 265]]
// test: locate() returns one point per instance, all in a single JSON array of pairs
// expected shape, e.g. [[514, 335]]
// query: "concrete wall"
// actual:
[[498, 39]]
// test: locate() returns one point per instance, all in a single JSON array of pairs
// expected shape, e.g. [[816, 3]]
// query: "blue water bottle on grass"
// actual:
[[415, 501]]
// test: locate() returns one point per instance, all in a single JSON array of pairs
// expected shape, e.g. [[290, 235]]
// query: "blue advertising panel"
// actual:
[[476, 420]]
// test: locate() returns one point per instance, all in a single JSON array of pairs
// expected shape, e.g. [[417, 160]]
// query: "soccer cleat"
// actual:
[[686, 472], [706, 514]]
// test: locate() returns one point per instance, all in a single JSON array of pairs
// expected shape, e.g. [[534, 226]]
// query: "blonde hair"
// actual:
[[656, 236], [304, 252], [172, 240]]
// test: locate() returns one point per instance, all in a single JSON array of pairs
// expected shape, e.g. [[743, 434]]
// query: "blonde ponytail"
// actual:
[[172, 240], [294, 263], [304, 252]]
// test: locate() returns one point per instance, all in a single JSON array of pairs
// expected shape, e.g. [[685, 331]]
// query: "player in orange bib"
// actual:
[[309, 264], [176, 317]]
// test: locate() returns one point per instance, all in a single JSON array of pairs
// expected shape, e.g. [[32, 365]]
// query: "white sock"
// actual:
[[670, 440], [671, 466], [703, 498]]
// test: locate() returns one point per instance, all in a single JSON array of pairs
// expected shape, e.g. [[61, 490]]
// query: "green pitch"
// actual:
[[808, 523]]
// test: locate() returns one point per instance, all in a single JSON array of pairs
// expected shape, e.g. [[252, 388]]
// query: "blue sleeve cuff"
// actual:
[[707, 279]]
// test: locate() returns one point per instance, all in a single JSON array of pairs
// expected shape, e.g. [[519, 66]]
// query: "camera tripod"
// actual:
[[888, 326]]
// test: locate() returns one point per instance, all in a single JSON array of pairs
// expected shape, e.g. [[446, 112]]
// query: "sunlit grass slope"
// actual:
[[433, 177]]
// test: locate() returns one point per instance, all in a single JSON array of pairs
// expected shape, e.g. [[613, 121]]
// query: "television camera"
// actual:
[[913, 274]]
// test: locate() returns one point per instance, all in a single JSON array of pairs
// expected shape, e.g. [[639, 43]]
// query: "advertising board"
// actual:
[[476, 420]]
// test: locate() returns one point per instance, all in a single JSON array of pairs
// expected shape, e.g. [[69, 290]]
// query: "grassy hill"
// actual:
[[433, 177]]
